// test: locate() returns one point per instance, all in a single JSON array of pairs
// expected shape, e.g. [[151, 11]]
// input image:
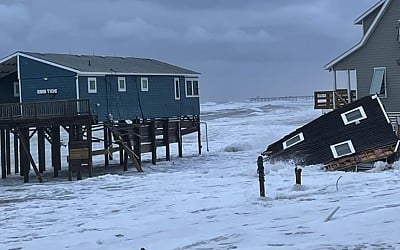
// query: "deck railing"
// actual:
[[37, 110], [333, 99]]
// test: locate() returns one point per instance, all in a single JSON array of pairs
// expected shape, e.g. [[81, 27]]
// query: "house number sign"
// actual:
[[46, 91]]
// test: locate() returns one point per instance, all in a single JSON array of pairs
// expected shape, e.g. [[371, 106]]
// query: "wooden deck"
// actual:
[[331, 99], [16, 114]]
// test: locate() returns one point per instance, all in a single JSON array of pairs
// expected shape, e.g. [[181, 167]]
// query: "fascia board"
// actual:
[[362, 41]]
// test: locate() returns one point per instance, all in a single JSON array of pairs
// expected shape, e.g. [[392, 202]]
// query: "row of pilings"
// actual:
[[20, 155]]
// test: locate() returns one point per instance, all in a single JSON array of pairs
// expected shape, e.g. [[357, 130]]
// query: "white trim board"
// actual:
[[363, 40]]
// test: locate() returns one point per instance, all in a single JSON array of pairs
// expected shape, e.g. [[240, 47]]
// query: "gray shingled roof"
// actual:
[[107, 64]]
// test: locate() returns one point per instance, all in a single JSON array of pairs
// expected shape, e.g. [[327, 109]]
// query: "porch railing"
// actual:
[[37, 110], [331, 99]]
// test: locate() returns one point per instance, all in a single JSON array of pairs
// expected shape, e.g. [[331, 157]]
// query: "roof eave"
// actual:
[[360, 19], [362, 42]]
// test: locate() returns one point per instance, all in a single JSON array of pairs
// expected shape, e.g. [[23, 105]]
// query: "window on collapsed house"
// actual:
[[177, 89], [144, 84], [92, 85], [16, 89], [378, 84], [192, 88], [293, 141], [353, 116], [342, 149], [121, 84]]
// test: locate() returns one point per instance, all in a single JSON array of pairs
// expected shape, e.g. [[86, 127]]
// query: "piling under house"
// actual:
[[139, 104]]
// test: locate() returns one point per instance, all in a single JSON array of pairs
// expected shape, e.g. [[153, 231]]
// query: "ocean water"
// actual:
[[210, 201]]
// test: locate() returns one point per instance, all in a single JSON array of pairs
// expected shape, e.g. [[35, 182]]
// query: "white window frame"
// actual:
[[121, 89], [191, 81], [335, 153], [16, 89], [90, 90], [362, 112], [285, 143], [142, 86], [177, 89], [384, 95]]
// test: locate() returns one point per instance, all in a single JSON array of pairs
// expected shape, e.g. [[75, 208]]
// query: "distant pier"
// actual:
[[281, 98]]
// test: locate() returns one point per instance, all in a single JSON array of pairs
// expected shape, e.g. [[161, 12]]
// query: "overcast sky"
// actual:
[[242, 48]]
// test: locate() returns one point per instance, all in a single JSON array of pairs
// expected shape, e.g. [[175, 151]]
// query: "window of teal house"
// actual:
[[144, 84], [121, 84], [16, 89], [177, 89], [378, 84], [92, 85], [192, 87]]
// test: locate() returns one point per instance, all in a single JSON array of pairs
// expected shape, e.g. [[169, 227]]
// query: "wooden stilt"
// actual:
[[16, 155], [8, 152], [153, 142], [199, 136], [90, 160], [179, 136], [55, 149], [41, 150], [3, 154], [166, 139], [109, 143], [137, 146], [121, 156], [106, 158], [28, 159], [24, 147]]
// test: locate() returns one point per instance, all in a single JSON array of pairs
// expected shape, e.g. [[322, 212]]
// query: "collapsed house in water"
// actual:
[[358, 133]]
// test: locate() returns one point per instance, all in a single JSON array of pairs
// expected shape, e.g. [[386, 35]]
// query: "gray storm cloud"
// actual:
[[242, 48]]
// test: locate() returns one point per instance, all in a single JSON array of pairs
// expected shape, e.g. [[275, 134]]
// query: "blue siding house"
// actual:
[[118, 87]]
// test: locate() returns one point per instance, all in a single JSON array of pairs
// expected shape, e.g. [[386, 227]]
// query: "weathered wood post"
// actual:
[[152, 133], [8, 151], [106, 144], [166, 139], [41, 150], [297, 172], [260, 171], [55, 149], [16, 154], [3, 153]]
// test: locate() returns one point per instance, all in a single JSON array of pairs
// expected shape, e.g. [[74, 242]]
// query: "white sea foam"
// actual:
[[209, 201]]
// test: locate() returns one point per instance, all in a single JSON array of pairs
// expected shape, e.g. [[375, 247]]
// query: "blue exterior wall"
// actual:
[[36, 75], [7, 89], [158, 102]]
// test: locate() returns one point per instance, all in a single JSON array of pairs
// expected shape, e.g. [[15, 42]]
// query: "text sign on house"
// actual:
[[46, 91]]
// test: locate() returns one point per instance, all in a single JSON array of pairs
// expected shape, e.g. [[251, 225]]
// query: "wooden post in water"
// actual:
[[8, 152], [24, 147], [106, 158], [261, 178], [41, 150], [16, 155], [3, 154], [199, 135], [152, 134], [166, 139], [89, 138], [55, 149], [137, 142], [297, 172], [179, 135]]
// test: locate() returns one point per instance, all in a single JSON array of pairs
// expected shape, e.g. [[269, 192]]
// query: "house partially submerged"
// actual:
[[374, 61], [357, 133]]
